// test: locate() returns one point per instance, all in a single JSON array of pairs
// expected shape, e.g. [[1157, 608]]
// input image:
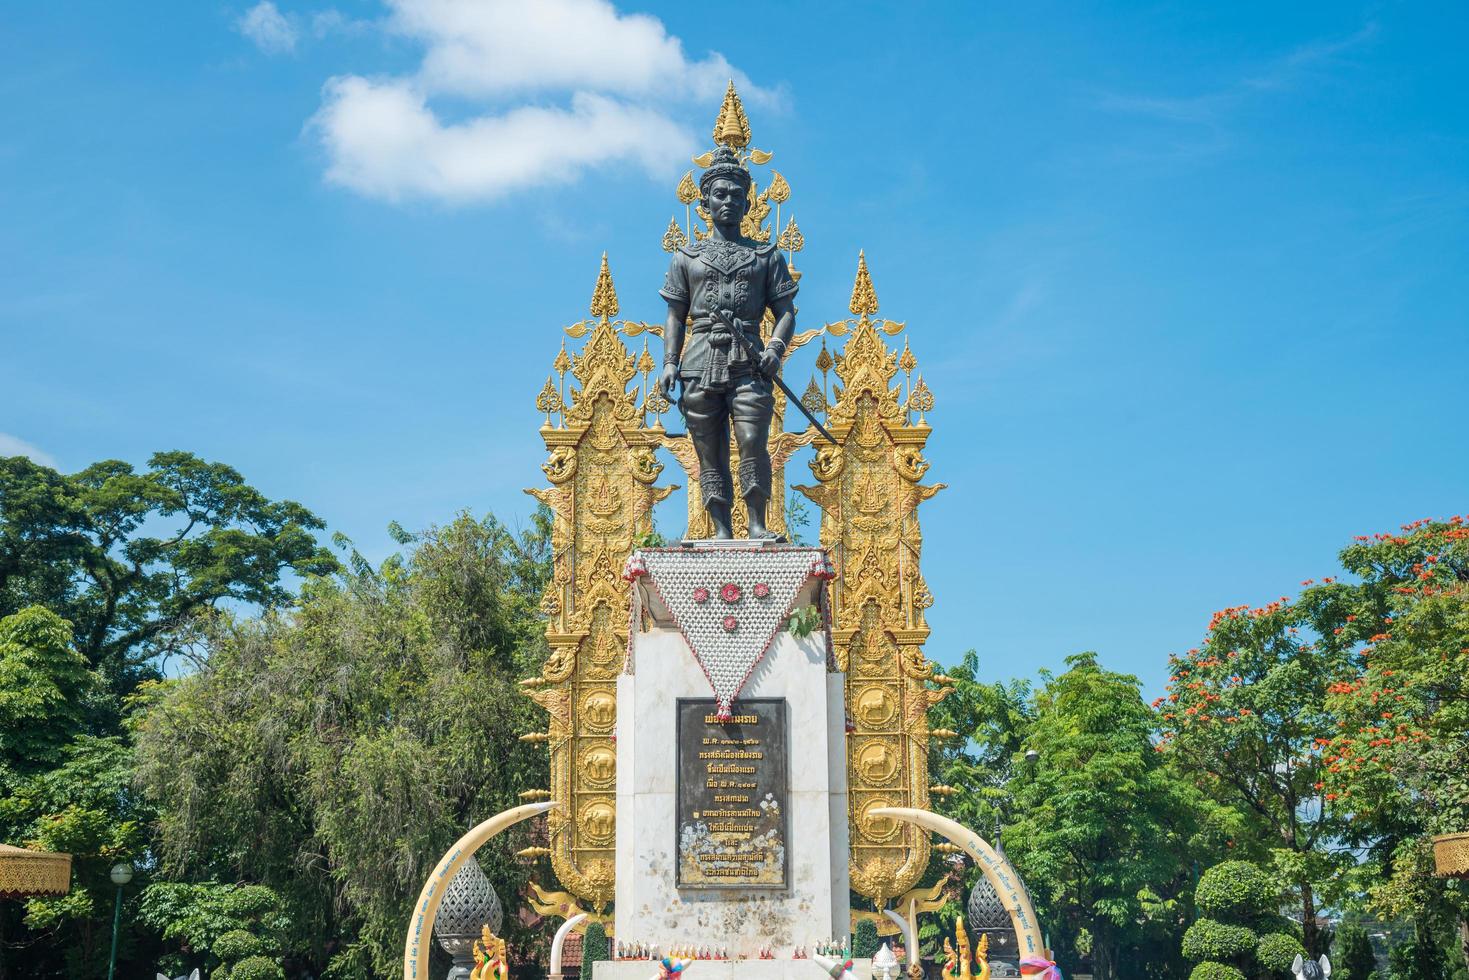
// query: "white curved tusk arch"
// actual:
[[426, 909], [909, 928], [996, 870], [560, 940]]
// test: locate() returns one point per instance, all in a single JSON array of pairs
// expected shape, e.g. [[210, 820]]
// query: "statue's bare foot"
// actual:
[[759, 533]]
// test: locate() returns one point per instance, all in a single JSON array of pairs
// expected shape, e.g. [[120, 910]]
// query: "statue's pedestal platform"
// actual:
[[726, 970], [731, 831]]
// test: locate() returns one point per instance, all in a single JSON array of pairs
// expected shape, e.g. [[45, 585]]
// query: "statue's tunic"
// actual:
[[720, 378], [741, 277]]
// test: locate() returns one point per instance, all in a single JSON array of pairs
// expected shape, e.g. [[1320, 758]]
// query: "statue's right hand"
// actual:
[[667, 380]]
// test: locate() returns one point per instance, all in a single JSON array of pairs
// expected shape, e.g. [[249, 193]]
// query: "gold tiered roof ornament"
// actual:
[[732, 130]]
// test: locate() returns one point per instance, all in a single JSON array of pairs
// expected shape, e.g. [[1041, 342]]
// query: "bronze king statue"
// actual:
[[718, 289]]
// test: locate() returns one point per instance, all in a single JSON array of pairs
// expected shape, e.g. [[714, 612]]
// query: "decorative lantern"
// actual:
[[1451, 855], [988, 917], [470, 904], [25, 874]]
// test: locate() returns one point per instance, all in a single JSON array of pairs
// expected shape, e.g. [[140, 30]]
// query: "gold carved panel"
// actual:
[[868, 490], [602, 472]]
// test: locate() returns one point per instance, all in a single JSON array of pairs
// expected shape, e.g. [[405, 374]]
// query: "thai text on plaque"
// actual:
[[733, 784]]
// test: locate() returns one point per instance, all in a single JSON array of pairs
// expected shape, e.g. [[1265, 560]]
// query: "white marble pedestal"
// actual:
[[650, 908]]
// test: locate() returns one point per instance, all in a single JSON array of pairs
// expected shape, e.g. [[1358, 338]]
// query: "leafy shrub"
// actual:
[[257, 968], [804, 621], [251, 902], [237, 944], [594, 946], [1215, 971], [1234, 889], [864, 939], [1210, 940], [1276, 951]]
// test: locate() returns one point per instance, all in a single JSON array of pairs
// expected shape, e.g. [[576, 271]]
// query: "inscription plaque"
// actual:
[[733, 784]]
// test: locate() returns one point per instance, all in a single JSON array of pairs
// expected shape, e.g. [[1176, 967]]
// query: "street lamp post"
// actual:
[[121, 874]]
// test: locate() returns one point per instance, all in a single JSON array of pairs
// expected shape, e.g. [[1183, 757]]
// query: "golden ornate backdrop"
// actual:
[[602, 434]]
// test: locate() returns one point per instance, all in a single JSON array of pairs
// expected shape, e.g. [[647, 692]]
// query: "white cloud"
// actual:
[[13, 446], [606, 87], [384, 141], [489, 48], [271, 30]]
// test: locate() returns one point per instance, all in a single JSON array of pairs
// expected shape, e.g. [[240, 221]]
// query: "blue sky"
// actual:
[[1187, 280]]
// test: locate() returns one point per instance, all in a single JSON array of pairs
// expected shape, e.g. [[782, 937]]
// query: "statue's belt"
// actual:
[[725, 356], [706, 324]]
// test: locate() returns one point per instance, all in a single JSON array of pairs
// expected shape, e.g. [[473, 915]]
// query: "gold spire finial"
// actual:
[[732, 128], [604, 297], [864, 297]]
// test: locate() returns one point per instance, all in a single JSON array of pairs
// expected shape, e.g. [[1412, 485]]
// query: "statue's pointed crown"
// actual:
[[732, 127], [732, 152]]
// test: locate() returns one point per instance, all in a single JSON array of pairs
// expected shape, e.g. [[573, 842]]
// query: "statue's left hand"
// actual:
[[769, 363]]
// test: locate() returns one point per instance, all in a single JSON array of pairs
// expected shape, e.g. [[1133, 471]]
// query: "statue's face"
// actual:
[[726, 201]]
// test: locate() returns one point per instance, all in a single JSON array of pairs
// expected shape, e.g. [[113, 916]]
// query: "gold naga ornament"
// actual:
[[603, 473], [868, 490], [961, 958], [490, 959], [601, 438]]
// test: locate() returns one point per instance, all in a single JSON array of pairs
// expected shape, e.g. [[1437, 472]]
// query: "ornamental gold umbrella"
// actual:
[[24, 874]]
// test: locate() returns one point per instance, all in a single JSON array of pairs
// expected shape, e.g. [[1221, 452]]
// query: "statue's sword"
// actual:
[[755, 359]]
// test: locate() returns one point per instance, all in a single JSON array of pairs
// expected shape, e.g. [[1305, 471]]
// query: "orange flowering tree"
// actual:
[[1337, 720], [1246, 718], [1399, 760]]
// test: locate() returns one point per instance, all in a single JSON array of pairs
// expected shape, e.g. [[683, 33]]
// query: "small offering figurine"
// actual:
[[1304, 969], [490, 961], [836, 969]]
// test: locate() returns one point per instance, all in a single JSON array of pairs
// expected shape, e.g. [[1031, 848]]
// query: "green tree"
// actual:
[[1100, 828], [85, 806], [334, 753], [1244, 720], [1399, 761], [594, 947], [213, 925], [130, 558], [63, 787], [46, 690], [994, 720], [1353, 957]]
